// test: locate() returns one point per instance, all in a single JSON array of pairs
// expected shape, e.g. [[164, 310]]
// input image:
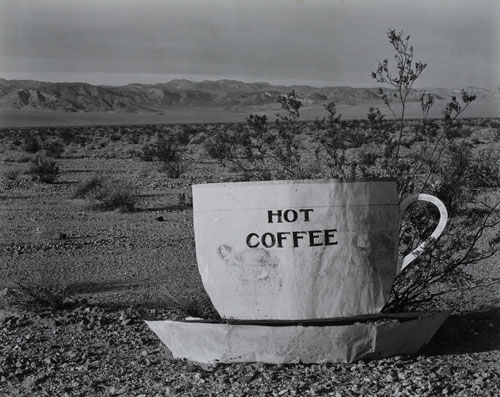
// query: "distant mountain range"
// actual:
[[226, 94]]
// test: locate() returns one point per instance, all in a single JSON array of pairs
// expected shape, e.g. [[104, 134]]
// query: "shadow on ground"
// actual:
[[467, 333], [173, 207]]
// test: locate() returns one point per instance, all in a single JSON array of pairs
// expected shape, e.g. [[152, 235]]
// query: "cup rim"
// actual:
[[298, 181]]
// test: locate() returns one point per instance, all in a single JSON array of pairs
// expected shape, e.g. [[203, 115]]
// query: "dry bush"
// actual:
[[424, 156], [190, 302], [13, 174], [108, 194], [119, 195], [184, 200], [262, 150], [169, 151], [89, 186], [45, 285], [31, 143], [54, 148], [43, 169]]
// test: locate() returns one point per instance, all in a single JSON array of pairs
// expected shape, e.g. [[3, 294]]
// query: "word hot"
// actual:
[[295, 238]]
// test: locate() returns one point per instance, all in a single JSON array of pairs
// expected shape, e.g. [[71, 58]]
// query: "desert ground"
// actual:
[[111, 269]]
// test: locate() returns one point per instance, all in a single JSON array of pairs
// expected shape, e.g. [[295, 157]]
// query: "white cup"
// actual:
[[306, 249]]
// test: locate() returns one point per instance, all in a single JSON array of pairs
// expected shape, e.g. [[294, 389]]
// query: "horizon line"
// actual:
[[340, 85]]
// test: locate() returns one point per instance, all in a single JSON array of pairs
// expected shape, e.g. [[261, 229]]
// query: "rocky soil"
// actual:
[[116, 269], [94, 351]]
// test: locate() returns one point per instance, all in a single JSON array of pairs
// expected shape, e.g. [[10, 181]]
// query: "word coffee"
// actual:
[[295, 239]]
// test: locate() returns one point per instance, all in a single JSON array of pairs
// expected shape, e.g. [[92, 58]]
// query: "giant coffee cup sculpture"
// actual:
[[305, 266]]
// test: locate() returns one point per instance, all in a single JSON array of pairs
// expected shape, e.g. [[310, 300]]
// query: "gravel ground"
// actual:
[[94, 351], [125, 264]]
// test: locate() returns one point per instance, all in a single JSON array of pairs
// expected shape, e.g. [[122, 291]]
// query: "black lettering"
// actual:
[[329, 237], [271, 214], [249, 237], [264, 240], [296, 237], [306, 214], [313, 235], [294, 213], [281, 236]]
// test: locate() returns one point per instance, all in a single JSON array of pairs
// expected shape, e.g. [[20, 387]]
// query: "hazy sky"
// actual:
[[319, 42]]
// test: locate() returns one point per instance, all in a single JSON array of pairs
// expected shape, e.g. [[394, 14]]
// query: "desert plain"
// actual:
[[112, 269]]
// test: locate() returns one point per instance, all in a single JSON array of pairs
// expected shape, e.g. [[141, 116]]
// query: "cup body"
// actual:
[[294, 250]]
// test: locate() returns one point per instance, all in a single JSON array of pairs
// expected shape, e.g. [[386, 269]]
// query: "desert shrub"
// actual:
[[134, 139], [80, 137], [54, 148], [262, 151], [424, 156], [148, 152], [169, 152], [184, 200], [46, 295], [108, 194], [495, 125], [13, 174], [102, 144], [407, 72], [89, 186], [185, 135], [339, 142], [132, 153], [23, 159], [442, 164], [200, 307], [67, 135], [18, 158], [31, 144], [484, 123], [486, 170], [46, 285], [115, 137], [198, 139], [189, 301], [121, 195], [219, 146], [44, 169]]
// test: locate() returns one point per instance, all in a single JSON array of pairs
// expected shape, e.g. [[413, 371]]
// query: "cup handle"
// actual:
[[443, 220]]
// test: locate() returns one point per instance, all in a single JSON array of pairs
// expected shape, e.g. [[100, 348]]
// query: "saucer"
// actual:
[[345, 339]]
